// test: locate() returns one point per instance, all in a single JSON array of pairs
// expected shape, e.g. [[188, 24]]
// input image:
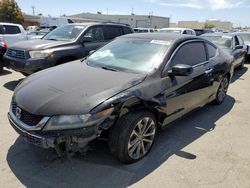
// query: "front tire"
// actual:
[[222, 91], [132, 137]]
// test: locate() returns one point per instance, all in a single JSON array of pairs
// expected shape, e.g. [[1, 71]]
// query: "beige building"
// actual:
[[220, 25], [191, 24], [144, 21]]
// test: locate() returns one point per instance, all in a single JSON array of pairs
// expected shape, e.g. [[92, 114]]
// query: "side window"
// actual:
[[185, 32], [126, 30], [211, 50], [192, 54], [9, 29], [96, 33], [241, 42], [236, 41], [112, 32]]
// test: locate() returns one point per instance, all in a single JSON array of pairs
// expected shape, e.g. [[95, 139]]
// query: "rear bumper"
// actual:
[[28, 66]]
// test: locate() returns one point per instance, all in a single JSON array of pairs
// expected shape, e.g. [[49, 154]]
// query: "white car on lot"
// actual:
[[184, 31], [11, 33]]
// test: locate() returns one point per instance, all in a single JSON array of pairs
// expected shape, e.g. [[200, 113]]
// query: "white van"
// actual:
[[182, 31], [11, 33]]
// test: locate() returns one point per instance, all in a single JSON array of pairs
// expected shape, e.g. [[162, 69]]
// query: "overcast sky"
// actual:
[[236, 11]]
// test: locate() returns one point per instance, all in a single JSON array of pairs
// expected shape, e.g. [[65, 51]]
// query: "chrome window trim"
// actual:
[[182, 44]]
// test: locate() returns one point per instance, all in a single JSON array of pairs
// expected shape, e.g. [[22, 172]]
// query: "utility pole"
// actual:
[[33, 10]]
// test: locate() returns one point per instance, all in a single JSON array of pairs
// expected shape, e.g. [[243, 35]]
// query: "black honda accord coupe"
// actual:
[[126, 91]]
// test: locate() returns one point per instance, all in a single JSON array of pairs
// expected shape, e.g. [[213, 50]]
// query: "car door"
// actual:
[[237, 52], [96, 33], [188, 92], [243, 48]]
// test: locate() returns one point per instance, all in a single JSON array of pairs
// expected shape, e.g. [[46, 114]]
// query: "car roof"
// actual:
[[176, 28], [238, 33], [159, 36], [5, 23], [219, 34], [99, 23]]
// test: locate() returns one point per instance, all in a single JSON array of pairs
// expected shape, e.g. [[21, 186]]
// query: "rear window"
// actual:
[[10, 29], [112, 32]]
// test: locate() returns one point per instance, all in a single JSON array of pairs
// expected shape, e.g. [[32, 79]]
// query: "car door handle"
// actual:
[[209, 70]]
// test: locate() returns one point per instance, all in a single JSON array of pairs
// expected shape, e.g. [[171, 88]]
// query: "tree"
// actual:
[[10, 12], [209, 25]]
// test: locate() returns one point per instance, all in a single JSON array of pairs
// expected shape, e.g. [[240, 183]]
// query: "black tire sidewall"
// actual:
[[121, 150]]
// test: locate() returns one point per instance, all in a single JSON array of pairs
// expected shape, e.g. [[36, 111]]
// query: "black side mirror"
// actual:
[[181, 70], [238, 47], [87, 39]]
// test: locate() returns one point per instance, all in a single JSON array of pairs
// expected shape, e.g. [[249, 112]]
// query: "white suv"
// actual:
[[183, 31], [11, 33]]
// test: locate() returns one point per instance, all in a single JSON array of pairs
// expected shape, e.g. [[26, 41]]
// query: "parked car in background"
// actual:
[[183, 31], [11, 33], [3, 48], [199, 32], [144, 30], [129, 89], [232, 43], [36, 35], [62, 45], [32, 28], [246, 38]]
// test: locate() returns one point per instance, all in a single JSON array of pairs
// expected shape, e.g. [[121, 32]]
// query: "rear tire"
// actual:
[[222, 91], [132, 137]]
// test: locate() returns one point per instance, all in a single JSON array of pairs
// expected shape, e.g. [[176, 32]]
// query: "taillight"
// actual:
[[4, 45]]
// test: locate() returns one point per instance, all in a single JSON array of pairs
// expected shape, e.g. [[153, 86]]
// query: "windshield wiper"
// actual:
[[109, 68]]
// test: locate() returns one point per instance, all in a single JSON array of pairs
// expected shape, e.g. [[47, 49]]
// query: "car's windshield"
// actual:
[[130, 55], [221, 41], [65, 33], [245, 37], [170, 31]]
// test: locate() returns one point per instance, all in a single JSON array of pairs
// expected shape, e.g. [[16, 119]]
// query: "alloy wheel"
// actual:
[[223, 89], [141, 138]]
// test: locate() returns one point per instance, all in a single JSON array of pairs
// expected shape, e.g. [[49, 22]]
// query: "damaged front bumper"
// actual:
[[62, 141]]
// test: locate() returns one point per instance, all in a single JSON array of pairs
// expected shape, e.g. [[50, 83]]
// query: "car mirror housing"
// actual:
[[181, 70]]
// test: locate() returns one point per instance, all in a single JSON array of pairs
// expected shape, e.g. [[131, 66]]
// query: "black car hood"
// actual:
[[73, 88], [37, 44]]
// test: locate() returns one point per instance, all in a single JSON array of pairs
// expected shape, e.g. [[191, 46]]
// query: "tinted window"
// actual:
[[126, 30], [112, 32], [211, 50], [241, 42], [9, 29], [1, 29], [190, 54], [96, 33], [185, 32]]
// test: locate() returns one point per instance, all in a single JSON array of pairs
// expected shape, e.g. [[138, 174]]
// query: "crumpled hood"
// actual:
[[37, 44], [72, 88]]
